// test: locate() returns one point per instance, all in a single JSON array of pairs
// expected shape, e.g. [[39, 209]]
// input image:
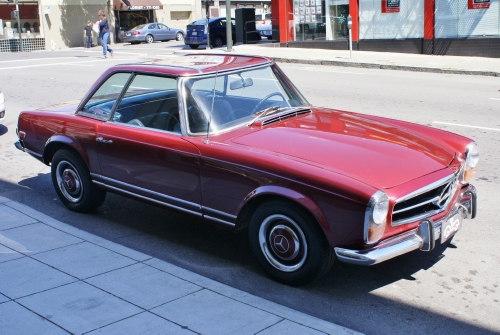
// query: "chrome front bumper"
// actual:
[[418, 238]]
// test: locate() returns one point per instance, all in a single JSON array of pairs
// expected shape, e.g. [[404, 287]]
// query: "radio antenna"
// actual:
[[213, 99]]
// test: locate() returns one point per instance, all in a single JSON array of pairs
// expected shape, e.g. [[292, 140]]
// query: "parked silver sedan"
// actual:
[[150, 32], [2, 107]]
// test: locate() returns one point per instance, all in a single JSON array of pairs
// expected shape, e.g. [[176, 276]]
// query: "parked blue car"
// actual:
[[196, 33]]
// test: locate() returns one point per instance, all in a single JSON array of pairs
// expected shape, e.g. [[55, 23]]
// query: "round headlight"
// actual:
[[471, 159], [376, 217]]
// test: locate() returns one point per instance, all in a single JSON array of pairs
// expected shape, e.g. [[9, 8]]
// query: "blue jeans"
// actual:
[[88, 41], [104, 42]]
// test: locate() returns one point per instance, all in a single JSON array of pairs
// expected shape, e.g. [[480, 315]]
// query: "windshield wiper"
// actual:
[[265, 112]]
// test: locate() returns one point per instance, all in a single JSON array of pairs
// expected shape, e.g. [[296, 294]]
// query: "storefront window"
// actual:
[[320, 19]]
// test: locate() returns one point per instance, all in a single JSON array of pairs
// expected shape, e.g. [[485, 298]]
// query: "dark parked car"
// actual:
[[196, 33], [229, 139], [151, 32], [266, 30]]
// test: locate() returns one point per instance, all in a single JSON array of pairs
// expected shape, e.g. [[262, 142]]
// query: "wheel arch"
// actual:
[[270, 192], [58, 142]]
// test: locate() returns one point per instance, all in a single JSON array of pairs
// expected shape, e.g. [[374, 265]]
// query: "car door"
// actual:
[[153, 30], [141, 150], [166, 32]]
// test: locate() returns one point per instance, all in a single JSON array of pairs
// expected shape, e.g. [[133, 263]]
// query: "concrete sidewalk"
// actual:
[[378, 60], [56, 279]]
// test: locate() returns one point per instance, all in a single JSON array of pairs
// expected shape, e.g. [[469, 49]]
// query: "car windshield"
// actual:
[[239, 98]]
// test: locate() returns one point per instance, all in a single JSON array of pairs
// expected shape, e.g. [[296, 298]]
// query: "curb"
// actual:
[[385, 67]]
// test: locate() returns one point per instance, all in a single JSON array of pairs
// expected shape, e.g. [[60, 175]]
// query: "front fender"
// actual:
[[296, 197]]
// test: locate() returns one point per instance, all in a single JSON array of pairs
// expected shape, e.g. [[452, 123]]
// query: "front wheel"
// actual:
[[73, 184], [150, 39], [289, 244]]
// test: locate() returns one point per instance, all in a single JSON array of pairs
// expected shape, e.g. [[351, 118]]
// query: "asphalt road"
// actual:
[[452, 290]]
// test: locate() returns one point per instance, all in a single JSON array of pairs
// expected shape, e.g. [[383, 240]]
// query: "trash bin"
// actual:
[[246, 32]]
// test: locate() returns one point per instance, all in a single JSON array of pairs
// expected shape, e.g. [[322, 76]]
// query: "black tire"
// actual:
[[274, 228], [193, 46], [74, 187], [218, 43], [150, 39]]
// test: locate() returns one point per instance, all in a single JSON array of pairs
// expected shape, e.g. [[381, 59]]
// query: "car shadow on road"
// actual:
[[3, 130], [344, 296]]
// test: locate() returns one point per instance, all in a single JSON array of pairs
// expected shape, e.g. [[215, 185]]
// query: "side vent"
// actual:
[[283, 116]]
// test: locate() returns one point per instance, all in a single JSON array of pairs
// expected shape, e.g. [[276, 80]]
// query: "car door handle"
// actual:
[[102, 140]]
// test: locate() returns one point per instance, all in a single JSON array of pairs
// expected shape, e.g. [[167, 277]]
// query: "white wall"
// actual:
[[408, 23], [453, 19]]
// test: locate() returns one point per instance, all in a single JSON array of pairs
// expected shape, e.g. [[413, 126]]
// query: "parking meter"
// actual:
[[349, 21]]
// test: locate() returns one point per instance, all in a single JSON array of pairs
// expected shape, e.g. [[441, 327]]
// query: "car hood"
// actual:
[[372, 152]]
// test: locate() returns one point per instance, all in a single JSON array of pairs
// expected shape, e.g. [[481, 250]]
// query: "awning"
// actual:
[[136, 4]]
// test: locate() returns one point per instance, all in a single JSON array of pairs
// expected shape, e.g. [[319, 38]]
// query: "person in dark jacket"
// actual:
[[104, 34], [88, 35]]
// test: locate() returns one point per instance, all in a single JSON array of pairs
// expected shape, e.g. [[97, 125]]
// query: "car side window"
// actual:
[[152, 26], [150, 102], [162, 26], [102, 101]]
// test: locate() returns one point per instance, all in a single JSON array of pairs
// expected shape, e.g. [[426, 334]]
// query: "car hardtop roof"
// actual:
[[210, 20], [197, 64]]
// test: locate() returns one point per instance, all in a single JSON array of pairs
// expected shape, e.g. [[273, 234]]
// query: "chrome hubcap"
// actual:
[[69, 181], [180, 37], [283, 243]]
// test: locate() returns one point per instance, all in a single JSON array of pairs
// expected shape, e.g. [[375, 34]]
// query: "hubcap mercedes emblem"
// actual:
[[281, 243]]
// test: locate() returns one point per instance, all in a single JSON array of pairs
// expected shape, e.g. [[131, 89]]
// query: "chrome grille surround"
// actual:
[[285, 116], [425, 202]]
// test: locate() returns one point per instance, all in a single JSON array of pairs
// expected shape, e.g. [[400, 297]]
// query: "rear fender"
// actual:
[[293, 196], [59, 141]]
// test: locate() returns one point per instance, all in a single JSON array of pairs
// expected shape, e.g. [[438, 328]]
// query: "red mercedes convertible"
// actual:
[[229, 138]]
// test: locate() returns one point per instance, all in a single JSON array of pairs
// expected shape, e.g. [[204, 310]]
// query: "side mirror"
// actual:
[[237, 84]]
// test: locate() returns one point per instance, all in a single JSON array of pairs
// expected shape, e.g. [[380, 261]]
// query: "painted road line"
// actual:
[[69, 63], [465, 125], [118, 52], [36, 59], [494, 98]]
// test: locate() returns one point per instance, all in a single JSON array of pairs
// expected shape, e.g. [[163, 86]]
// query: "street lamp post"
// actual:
[[207, 27], [19, 30], [229, 27]]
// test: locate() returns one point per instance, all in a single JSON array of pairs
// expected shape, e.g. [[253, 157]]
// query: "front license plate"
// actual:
[[451, 225], [194, 33]]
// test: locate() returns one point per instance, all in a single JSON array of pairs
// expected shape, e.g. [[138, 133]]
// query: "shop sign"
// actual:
[[137, 4], [391, 6], [479, 4]]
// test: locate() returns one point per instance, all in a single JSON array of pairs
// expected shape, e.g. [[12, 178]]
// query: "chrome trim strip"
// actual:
[[219, 220], [415, 206], [161, 195], [147, 198], [208, 209], [424, 189]]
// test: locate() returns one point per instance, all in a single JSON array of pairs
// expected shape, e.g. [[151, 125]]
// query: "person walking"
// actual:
[[88, 35], [104, 34]]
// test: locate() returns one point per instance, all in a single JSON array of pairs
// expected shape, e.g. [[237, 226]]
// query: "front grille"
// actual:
[[424, 202]]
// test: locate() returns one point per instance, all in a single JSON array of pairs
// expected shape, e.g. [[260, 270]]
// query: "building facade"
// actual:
[[454, 27], [59, 24]]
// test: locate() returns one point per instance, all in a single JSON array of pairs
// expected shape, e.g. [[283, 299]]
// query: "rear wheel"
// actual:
[[289, 244], [73, 184], [218, 42], [193, 46], [150, 39], [179, 36]]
